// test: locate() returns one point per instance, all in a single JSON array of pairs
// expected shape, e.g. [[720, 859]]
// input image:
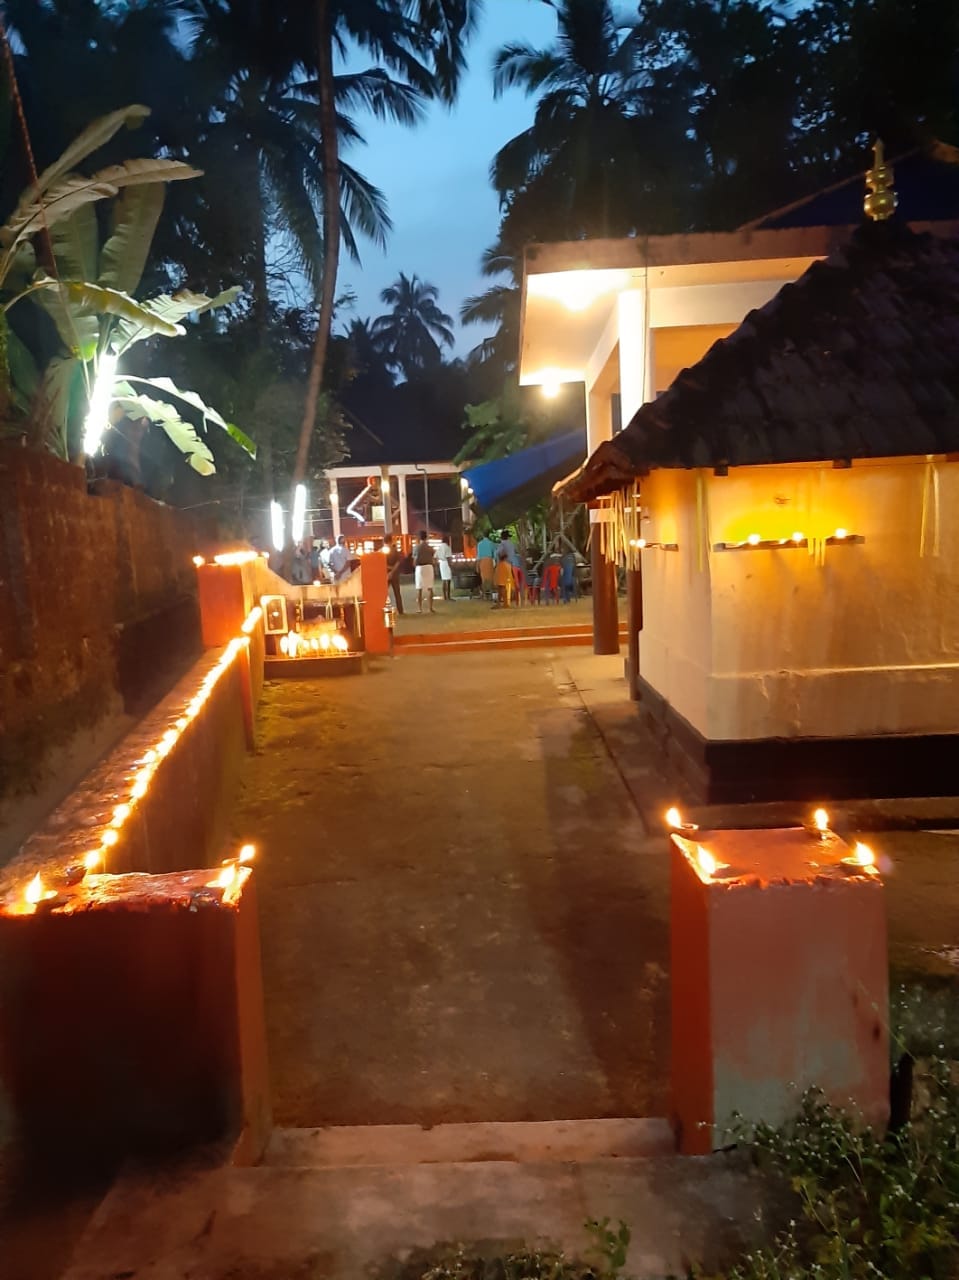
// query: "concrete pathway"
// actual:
[[385, 1221], [462, 919]]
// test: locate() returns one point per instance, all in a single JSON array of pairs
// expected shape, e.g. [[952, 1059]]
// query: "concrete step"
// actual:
[[513, 638], [520, 1142], [342, 1223]]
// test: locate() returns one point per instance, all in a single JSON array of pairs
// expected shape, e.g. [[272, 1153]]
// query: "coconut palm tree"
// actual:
[[420, 43], [414, 331], [262, 138], [577, 169], [499, 305]]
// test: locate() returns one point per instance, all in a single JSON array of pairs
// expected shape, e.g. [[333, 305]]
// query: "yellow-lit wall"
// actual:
[[780, 646], [676, 646], [675, 349]]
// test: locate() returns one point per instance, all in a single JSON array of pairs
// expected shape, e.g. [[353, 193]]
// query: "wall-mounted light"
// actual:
[[754, 542], [276, 526], [299, 512]]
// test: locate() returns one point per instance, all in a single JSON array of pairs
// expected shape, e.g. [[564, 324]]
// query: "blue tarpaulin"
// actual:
[[522, 478]]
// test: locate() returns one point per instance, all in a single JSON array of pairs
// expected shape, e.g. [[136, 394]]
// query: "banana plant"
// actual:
[[90, 297]]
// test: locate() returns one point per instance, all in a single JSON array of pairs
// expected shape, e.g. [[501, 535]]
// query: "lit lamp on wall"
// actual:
[[274, 615], [276, 526]]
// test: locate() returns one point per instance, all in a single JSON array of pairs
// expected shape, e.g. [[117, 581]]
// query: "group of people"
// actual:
[[316, 561], [502, 572], [423, 562]]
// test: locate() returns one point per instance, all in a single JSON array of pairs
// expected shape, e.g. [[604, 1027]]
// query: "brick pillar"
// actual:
[[779, 982], [131, 1018]]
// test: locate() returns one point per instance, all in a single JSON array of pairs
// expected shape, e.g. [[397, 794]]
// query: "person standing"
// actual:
[[568, 578], [394, 568], [512, 552], [485, 553], [339, 559], [507, 544], [424, 561], [444, 558]]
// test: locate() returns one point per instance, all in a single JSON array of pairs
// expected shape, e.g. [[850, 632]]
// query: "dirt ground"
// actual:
[[461, 917]]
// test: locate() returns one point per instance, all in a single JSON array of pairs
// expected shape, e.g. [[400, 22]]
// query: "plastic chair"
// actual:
[[551, 583]]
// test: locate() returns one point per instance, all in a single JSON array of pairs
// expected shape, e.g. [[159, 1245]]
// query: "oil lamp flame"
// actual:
[[226, 877], [706, 861], [92, 860], [35, 892], [324, 641], [340, 643], [674, 818], [821, 820], [247, 853], [863, 855]]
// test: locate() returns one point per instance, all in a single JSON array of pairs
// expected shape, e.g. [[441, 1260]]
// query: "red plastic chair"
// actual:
[[551, 583]]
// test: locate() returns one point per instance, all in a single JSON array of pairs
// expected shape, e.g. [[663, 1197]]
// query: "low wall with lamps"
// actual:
[[131, 1012]]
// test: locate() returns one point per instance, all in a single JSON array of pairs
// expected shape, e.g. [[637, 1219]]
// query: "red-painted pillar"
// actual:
[[224, 602], [779, 982], [131, 1018], [377, 634]]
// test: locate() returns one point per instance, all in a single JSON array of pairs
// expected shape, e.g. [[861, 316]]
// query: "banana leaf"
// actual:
[[75, 191], [182, 434], [124, 256], [93, 137], [169, 388], [172, 308], [76, 245], [56, 398], [24, 374], [75, 305]]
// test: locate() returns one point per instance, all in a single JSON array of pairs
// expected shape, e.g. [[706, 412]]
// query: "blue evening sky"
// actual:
[[435, 177]]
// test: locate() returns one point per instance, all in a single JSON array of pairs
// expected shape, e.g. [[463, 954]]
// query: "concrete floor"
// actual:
[[462, 918]]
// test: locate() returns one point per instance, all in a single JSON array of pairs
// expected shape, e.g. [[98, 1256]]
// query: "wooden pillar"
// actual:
[[634, 623], [599, 427], [605, 606]]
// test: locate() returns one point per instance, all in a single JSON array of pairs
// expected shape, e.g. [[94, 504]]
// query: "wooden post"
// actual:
[[605, 606], [634, 616]]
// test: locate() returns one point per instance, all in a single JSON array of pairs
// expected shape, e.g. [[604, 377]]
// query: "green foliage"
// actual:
[[606, 1258], [871, 1205]]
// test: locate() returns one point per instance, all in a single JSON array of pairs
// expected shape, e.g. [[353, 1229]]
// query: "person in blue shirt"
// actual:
[[507, 544], [568, 578], [485, 552]]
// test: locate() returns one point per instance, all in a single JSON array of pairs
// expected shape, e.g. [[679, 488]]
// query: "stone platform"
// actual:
[[341, 1220]]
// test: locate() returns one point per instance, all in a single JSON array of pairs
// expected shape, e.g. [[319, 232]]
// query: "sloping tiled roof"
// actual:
[[859, 358]]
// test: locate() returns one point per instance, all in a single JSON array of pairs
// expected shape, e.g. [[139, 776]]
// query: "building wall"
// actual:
[[676, 645], [680, 348], [866, 643], [98, 605]]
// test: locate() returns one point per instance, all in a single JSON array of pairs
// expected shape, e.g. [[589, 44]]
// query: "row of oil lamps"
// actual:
[[36, 892], [862, 857]]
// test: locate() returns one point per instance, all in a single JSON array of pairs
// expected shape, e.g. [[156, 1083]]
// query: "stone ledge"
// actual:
[[521, 1142]]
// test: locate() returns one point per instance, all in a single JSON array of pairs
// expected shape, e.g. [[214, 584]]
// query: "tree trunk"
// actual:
[[331, 235]]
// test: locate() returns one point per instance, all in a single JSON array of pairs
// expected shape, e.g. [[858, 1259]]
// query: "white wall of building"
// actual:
[[770, 643]]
